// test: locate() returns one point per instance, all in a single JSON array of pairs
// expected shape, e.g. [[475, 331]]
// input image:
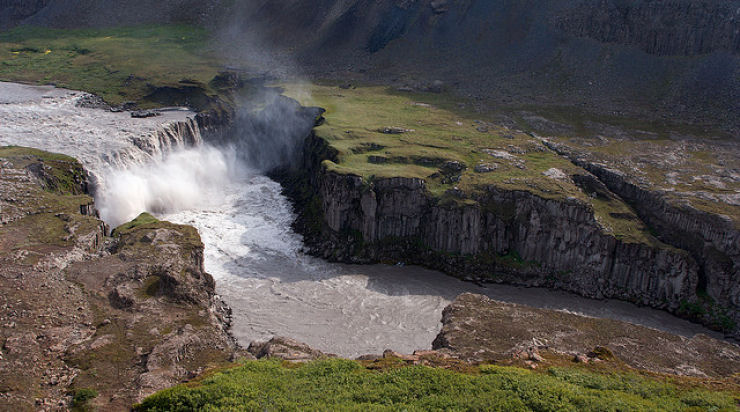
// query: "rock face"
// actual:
[[286, 349], [712, 239], [124, 315], [476, 328], [496, 235], [674, 27]]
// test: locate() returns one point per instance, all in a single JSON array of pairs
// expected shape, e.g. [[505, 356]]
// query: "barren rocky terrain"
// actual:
[[476, 328], [125, 315], [650, 59]]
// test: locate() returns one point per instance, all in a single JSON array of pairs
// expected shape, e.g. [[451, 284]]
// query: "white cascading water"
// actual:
[[161, 166], [184, 179]]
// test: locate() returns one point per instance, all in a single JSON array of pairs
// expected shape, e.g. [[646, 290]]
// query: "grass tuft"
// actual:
[[141, 220]]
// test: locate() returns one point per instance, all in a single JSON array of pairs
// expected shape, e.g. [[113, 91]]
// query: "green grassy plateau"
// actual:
[[356, 117], [118, 64], [341, 385]]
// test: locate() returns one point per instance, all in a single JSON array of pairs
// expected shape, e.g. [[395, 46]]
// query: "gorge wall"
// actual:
[[501, 236], [712, 239]]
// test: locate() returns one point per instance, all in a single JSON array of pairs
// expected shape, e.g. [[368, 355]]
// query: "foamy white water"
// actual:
[[250, 248]]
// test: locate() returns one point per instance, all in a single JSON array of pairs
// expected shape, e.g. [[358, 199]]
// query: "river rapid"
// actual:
[[245, 223]]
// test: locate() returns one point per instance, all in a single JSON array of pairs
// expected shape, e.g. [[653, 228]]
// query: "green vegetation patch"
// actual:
[[141, 220], [135, 64], [346, 385], [81, 397], [20, 151], [60, 174]]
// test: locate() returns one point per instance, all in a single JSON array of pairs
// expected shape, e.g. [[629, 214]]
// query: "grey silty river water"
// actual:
[[250, 248]]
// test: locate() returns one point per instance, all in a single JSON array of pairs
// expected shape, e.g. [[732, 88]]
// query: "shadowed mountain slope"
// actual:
[[677, 58]]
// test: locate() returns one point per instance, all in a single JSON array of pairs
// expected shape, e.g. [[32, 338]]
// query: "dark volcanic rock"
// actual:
[[669, 27], [712, 239], [13, 12], [548, 242]]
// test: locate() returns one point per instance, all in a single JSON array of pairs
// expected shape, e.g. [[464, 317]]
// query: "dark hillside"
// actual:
[[670, 58]]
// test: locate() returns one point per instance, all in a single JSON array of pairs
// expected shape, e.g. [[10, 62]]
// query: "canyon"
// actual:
[[248, 246], [544, 211], [468, 185]]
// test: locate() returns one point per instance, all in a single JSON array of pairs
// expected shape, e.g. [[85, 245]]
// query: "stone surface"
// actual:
[[476, 328], [78, 307], [711, 237], [555, 243], [286, 349], [496, 234]]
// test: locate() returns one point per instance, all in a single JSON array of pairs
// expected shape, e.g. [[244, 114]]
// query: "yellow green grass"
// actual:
[[344, 385]]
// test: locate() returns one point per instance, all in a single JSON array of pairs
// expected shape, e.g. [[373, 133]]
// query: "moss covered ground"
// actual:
[[141, 220], [347, 385]]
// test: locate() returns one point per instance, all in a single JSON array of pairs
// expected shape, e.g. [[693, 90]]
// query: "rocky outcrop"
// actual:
[[712, 239], [496, 235], [80, 310], [286, 349], [476, 328]]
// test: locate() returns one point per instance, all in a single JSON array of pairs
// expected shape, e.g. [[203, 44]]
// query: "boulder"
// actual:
[[143, 114], [284, 348], [394, 130]]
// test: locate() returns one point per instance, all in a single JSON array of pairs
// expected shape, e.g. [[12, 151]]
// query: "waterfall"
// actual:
[[157, 164]]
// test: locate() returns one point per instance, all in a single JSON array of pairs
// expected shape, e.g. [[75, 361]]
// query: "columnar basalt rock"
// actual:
[[551, 242], [498, 235], [713, 240]]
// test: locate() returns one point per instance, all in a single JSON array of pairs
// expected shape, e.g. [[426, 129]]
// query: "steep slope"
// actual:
[[487, 202], [678, 56]]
